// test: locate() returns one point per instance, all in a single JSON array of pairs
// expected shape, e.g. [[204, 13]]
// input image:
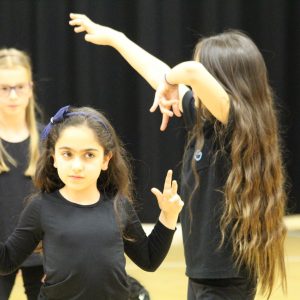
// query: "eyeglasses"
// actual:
[[20, 90]]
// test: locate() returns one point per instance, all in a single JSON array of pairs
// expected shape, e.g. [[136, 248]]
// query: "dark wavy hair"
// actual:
[[116, 181], [254, 192]]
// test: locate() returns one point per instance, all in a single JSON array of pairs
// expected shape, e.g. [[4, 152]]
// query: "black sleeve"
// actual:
[[189, 111], [23, 240], [146, 252]]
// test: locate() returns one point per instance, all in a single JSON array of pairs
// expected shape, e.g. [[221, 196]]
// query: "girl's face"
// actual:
[[79, 159], [15, 90]]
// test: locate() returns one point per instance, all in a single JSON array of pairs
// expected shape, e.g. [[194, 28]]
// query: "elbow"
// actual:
[[150, 267], [6, 270], [192, 71]]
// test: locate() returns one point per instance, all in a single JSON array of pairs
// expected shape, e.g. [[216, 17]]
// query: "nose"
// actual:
[[12, 93], [77, 165]]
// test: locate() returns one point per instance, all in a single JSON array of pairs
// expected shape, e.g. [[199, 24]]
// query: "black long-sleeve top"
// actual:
[[14, 188], [84, 247]]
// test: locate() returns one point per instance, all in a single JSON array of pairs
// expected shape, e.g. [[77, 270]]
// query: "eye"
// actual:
[[20, 87], [4, 88], [89, 155], [66, 154]]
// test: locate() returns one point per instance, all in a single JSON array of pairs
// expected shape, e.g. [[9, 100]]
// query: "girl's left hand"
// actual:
[[167, 99], [169, 201]]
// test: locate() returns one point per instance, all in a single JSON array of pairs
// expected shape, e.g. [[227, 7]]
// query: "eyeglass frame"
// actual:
[[26, 87]]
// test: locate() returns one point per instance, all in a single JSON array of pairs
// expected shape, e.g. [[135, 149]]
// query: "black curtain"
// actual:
[[67, 70]]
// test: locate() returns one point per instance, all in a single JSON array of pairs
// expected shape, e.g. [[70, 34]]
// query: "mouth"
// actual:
[[75, 177]]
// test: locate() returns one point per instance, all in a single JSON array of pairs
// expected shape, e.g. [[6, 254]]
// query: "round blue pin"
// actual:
[[198, 155]]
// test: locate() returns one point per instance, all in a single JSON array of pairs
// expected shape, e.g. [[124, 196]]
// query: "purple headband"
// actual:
[[61, 115]]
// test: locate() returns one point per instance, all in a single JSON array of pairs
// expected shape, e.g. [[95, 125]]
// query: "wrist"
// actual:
[[117, 39], [168, 220]]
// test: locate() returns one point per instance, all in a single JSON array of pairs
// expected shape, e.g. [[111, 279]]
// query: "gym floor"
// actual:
[[169, 281]]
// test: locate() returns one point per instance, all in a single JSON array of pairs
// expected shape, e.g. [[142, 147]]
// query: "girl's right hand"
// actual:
[[95, 33]]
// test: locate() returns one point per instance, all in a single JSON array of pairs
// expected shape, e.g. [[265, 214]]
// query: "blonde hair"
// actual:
[[254, 193], [10, 58]]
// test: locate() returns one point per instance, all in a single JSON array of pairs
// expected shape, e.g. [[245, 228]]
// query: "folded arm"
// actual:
[[205, 87]]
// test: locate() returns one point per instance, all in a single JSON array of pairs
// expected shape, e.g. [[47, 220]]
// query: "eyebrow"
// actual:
[[82, 150]]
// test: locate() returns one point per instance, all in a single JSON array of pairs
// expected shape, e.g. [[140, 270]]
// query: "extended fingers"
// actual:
[[158, 195], [168, 180], [78, 16], [174, 187], [79, 29], [166, 110], [164, 122], [176, 110], [156, 192], [155, 102]]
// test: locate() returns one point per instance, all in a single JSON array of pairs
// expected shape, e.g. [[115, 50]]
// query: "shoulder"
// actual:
[[39, 199], [34, 202], [127, 212], [33, 208]]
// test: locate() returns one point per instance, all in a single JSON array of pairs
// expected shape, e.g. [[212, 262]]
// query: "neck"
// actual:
[[81, 197], [13, 128]]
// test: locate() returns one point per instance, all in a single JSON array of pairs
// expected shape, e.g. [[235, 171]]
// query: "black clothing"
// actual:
[[222, 289], [14, 188], [31, 279], [83, 247], [201, 233]]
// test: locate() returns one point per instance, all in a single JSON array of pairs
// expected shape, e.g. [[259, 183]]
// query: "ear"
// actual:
[[106, 160]]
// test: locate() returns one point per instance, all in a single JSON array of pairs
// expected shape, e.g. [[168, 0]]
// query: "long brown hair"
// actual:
[[254, 192], [116, 181], [11, 58]]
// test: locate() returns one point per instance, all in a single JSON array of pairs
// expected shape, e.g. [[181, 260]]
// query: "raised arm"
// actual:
[[149, 67], [149, 252], [205, 87]]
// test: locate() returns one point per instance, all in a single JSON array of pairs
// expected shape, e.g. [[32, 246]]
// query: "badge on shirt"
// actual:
[[198, 155]]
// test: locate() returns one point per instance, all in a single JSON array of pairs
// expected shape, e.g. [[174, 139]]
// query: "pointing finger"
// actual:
[[168, 180]]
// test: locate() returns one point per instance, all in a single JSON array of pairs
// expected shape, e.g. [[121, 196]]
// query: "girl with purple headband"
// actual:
[[83, 213]]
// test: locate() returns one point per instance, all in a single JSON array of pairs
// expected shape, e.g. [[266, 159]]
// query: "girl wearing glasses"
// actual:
[[19, 151]]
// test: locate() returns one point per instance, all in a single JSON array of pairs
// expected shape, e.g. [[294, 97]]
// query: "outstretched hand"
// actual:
[[95, 33], [167, 99], [169, 201]]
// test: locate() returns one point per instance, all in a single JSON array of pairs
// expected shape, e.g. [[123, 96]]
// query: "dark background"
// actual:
[[67, 70]]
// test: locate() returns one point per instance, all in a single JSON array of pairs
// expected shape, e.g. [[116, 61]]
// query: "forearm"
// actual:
[[207, 89], [9, 262], [149, 252], [148, 66]]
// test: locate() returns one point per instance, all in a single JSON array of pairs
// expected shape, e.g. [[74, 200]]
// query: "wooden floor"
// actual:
[[169, 281]]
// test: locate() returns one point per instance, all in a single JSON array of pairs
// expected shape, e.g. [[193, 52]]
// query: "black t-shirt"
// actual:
[[83, 247], [14, 188], [201, 232]]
